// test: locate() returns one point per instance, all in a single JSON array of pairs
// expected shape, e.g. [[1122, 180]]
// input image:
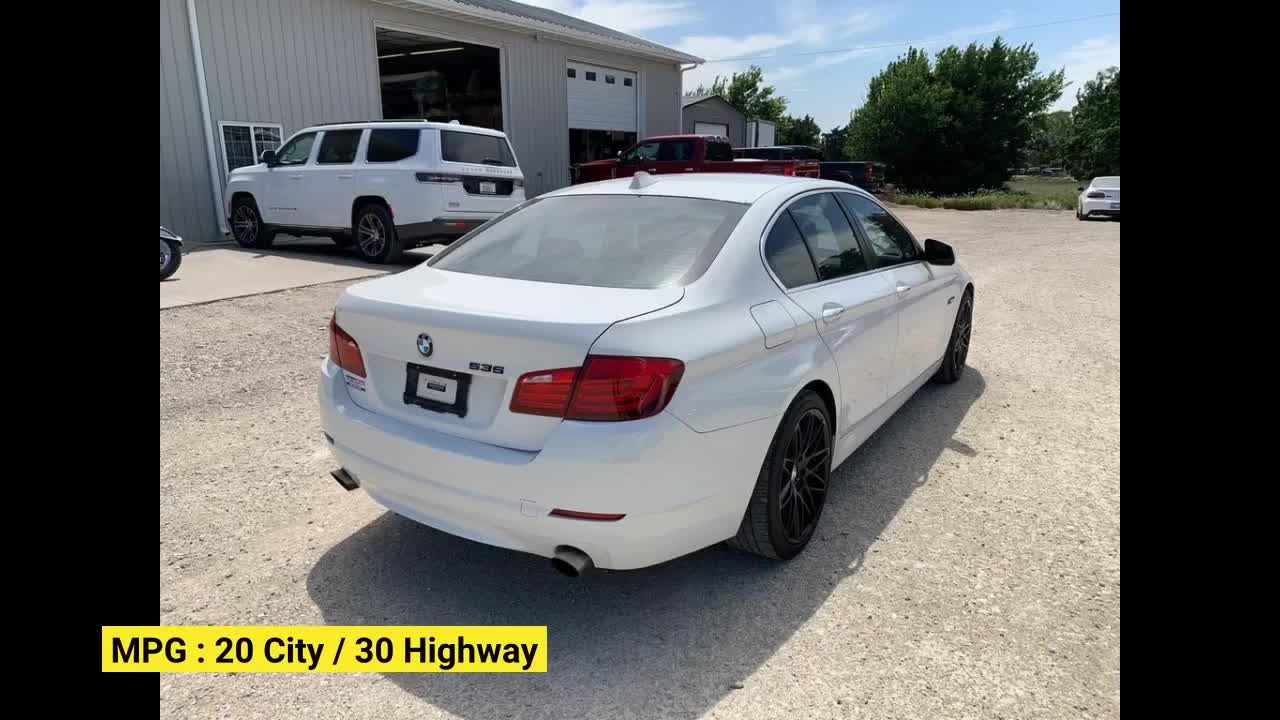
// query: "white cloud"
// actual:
[[821, 61], [801, 27], [1082, 62], [628, 16]]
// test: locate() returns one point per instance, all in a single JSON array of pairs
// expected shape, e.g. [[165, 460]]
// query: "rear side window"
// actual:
[[719, 151], [464, 147], [675, 151], [890, 242], [830, 238], [618, 241], [338, 147], [785, 253], [391, 145]]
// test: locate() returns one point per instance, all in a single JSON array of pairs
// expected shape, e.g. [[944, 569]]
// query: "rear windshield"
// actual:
[[1110, 183], [761, 153], [618, 241], [466, 147]]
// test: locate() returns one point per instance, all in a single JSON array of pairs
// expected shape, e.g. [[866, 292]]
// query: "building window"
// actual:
[[591, 77], [626, 81], [243, 143], [609, 80], [573, 73]]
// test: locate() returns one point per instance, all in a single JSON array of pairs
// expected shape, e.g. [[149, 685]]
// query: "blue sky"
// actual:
[[828, 86]]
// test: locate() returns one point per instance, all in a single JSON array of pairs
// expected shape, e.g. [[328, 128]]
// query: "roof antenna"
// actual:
[[642, 180]]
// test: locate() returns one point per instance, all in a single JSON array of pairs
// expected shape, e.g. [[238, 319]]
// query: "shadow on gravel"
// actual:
[[324, 248], [665, 641]]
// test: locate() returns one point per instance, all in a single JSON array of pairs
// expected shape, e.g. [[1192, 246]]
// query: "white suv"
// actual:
[[383, 186]]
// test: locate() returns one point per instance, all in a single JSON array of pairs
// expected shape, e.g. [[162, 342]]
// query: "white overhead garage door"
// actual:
[[601, 98], [711, 129]]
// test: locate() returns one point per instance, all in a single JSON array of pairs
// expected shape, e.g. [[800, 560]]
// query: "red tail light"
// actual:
[[607, 388], [544, 392], [789, 170], [344, 351]]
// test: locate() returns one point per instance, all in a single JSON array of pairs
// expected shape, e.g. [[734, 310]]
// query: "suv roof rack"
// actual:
[[368, 122]]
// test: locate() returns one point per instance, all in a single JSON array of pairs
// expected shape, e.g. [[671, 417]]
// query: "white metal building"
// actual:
[[240, 76]]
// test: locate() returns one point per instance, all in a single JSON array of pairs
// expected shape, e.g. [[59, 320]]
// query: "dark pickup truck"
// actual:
[[864, 174], [687, 154]]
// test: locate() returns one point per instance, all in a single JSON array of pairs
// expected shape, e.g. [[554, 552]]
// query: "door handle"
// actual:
[[831, 311], [345, 176], [296, 177], [903, 289]]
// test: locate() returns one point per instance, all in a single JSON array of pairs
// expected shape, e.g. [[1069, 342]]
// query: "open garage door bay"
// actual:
[[602, 110]]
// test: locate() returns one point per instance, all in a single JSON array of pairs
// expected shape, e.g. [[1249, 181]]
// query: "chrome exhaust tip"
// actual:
[[572, 562], [345, 479]]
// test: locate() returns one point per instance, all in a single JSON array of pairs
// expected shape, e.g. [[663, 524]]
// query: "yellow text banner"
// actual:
[[324, 648]]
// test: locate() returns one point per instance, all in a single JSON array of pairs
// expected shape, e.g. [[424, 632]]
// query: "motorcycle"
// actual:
[[170, 253]]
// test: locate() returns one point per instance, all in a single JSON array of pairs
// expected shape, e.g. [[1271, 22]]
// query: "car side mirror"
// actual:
[[938, 253], [268, 157], [1080, 189]]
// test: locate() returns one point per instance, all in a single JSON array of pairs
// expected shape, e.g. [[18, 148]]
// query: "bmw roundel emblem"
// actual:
[[425, 346]]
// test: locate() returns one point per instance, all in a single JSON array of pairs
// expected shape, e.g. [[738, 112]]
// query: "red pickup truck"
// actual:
[[685, 154]]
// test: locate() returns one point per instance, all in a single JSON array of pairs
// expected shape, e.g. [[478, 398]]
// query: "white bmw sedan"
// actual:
[[619, 373]]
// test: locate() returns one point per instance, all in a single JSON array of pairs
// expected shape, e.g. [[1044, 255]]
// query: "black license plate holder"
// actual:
[[414, 372]]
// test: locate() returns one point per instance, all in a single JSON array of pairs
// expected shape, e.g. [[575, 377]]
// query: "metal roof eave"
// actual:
[[568, 34]]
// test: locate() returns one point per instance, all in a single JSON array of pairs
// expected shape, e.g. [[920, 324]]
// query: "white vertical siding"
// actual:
[[186, 206]]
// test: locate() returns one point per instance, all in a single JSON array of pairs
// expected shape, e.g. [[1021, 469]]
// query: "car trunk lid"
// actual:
[[484, 333]]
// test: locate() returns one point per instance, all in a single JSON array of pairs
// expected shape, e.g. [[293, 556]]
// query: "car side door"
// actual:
[[284, 181], [814, 254], [924, 306], [675, 156], [329, 186]]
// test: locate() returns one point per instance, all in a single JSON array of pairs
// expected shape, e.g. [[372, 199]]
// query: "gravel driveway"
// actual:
[[967, 564]]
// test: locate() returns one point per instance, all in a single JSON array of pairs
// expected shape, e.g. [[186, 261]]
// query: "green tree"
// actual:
[[1049, 140], [957, 124], [747, 92], [1094, 148], [798, 131], [834, 142]]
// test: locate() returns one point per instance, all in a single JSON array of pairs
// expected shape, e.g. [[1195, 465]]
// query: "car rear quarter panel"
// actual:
[[730, 377]]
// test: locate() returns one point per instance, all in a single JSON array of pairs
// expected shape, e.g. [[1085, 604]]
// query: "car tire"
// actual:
[[374, 234], [170, 259], [1080, 215], [247, 226], [785, 507], [953, 363]]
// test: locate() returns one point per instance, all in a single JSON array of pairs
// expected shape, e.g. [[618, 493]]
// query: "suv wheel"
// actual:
[[247, 225], [375, 234]]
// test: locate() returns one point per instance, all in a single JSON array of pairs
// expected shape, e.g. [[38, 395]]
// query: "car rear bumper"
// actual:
[[680, 490], [1101, 207], [444, 228]]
